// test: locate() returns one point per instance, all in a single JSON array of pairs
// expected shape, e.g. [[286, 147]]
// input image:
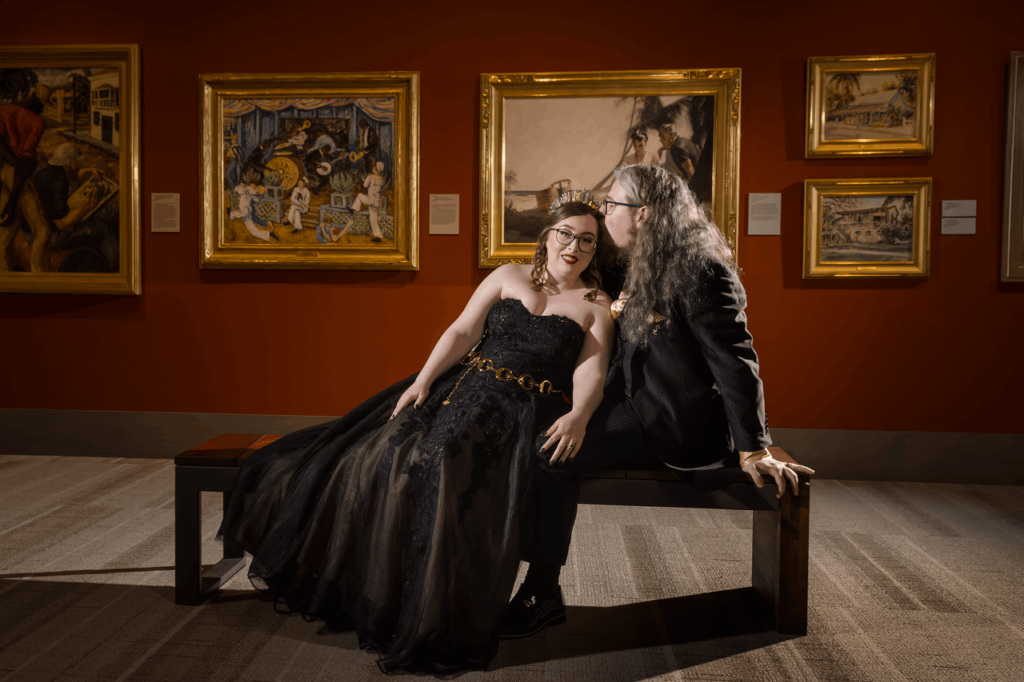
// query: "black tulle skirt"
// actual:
[[405, 530]]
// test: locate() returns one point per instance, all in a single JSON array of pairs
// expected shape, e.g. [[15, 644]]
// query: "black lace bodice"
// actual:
[[543, 346]]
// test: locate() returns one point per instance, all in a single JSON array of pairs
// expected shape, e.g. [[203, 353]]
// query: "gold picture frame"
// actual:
[[877, 227], [1012, 262], [875, 105], [543, 131], [76, 227], [310, 170]]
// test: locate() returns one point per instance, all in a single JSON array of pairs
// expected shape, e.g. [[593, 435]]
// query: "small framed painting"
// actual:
[[310, 171], [880, 105], [875, 227]]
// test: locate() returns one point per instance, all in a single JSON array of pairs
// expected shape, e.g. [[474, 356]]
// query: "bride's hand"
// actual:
[[415, 394], [567, 432]]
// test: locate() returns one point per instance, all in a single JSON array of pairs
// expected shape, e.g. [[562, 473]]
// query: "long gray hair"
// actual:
[[672, 252]]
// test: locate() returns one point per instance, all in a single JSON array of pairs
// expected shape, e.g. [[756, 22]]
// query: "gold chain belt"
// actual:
[[481, 364]]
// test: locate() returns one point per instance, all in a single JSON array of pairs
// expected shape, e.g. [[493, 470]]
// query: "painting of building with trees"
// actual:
[[868, 105], [867, 228]]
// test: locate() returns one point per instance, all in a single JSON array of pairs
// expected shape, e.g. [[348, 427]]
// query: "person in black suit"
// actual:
[[683, 390]]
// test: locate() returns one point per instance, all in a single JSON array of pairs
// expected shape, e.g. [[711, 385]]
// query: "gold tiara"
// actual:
[[581, 195]]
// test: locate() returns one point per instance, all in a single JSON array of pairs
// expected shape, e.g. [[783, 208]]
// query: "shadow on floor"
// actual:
[[98, 571], [627, 643], [686, 630]]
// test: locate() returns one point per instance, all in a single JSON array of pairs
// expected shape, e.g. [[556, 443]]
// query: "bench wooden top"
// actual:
[[226, 450], [231, 449]]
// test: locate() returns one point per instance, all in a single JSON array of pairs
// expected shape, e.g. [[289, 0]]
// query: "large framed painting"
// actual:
[[876, 227], [1012, 262], [310, 171], [879, 105], [69, 169], [544, 133]]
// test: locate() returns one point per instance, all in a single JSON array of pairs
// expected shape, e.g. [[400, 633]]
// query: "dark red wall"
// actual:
[[937, 355]]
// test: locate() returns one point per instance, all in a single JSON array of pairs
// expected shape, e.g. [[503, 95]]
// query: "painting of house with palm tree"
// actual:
[[866, 105], [867, 228]]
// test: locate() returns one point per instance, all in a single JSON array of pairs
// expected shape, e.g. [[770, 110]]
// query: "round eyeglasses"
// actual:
[[608, 207], [587, 243]]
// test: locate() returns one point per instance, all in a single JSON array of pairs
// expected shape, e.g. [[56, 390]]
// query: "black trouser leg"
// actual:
[[614, 439]]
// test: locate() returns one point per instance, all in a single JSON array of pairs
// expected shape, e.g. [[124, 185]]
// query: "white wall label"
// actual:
[[764, 216], [960, 209], [165, 213], [959, 225], [444, 214], [959, 217]]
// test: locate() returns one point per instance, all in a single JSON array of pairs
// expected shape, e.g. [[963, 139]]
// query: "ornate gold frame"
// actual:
[[724, 84], [922, 142], [815, 190], [128, 279], [402, 85], [1012, 262]]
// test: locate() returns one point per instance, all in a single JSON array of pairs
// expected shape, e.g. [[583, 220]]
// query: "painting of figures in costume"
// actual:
[[867, 227], [311, 181], [543, 134], [551, 148], [879, 105], [68, 164], [305, 172]]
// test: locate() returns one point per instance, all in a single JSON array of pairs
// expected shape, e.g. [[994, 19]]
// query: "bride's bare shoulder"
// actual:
[[514, 272]]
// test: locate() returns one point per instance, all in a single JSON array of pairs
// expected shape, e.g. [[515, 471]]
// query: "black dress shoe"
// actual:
[[527, 614]]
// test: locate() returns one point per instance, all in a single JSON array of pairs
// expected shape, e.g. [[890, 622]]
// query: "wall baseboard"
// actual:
[[837, 454]]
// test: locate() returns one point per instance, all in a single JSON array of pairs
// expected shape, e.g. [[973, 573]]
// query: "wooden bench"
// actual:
[[780, 531], [212, 466]]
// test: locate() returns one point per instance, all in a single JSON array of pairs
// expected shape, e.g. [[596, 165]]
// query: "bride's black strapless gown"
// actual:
[[408, 529]]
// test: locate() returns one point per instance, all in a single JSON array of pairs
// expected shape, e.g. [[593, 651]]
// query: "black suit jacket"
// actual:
[[695, 386]]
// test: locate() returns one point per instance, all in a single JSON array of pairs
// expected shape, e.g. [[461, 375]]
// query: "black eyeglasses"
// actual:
[[587, 242], [608, 207]]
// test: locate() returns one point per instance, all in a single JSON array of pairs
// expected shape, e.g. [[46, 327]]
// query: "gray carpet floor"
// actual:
[[908, 582]]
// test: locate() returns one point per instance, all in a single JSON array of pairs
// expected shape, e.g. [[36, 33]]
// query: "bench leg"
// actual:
[[192, 585], [779, 571], [187, 548]]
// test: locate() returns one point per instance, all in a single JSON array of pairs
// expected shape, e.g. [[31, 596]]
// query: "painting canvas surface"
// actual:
[[875, 228], [314, 172], [60, 165], [553, 144], [869, 105]]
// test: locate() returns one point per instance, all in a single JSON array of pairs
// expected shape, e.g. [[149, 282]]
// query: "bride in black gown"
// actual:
[[400, 519]]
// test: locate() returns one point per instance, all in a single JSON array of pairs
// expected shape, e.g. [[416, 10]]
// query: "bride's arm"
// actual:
[[587, 385], [458, 339]]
